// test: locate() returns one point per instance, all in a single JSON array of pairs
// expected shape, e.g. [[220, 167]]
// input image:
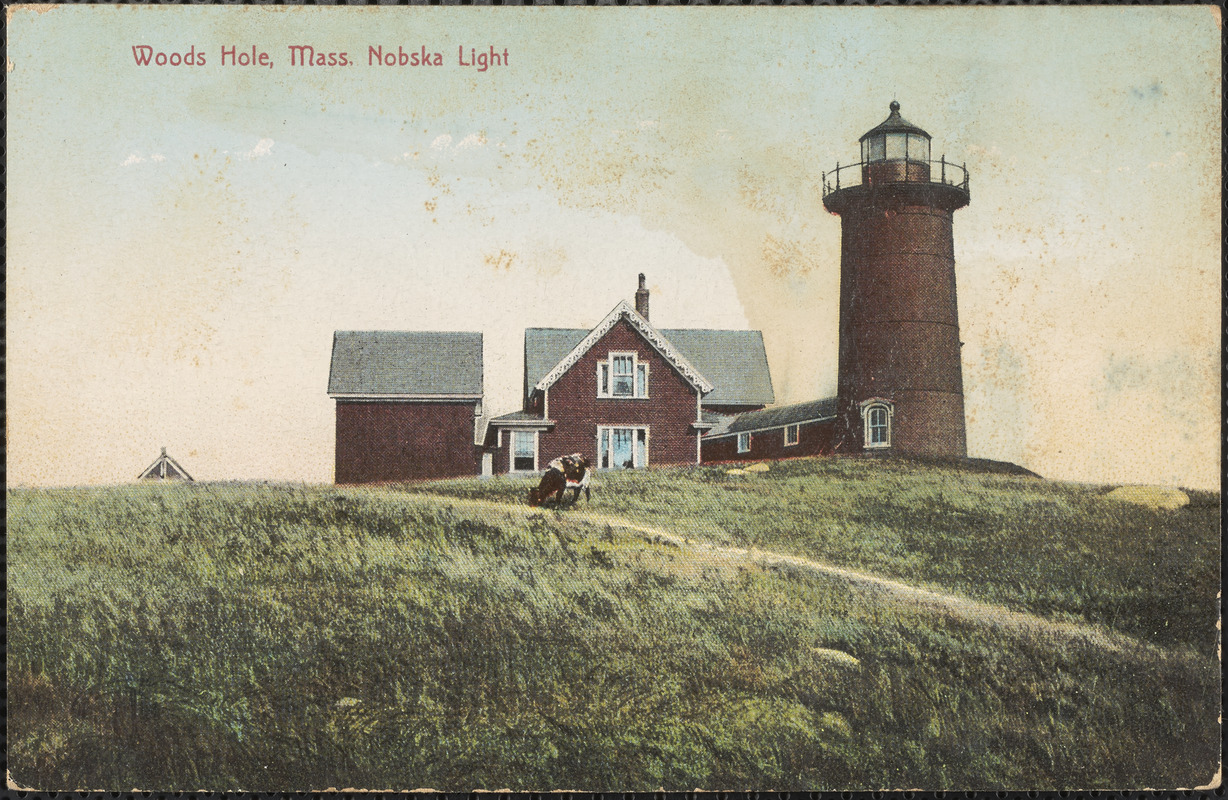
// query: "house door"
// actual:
[[622, 448]]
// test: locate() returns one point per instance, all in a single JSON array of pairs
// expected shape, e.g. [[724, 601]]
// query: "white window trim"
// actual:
[[866, 408], [603, 431], [797, 435], [607, 364], [511, 452], [749, 442]]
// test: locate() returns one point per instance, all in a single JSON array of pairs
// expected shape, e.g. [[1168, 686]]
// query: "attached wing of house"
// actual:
[[785, 431]]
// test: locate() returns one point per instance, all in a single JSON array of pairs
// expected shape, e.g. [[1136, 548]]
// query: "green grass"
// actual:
[[1059, 550], [274, 637]]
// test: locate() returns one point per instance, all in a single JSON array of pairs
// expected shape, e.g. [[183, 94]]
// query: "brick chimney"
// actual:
[[641, 299]]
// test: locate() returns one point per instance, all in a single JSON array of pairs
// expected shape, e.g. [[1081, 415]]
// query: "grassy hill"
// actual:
[[689, 628]]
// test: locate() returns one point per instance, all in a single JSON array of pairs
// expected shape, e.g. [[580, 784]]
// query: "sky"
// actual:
[[184, 240]]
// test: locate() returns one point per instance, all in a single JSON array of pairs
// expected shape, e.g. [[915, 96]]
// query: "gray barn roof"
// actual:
[[775, 417], [409, 363], [734, 361]]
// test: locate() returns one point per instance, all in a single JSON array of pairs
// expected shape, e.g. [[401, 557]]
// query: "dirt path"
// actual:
[[953, 606]]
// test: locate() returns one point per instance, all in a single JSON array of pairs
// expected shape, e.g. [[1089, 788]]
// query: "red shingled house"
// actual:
[[626, 394]]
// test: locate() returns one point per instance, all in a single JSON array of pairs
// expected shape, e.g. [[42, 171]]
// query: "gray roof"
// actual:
[[894, 123], [734, 361], [435, 363], [778, 417], [720, 422], [545, 347], [517, 416], [165, 468]]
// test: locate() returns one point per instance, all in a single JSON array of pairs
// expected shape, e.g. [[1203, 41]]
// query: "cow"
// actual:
[[580, 478], [565, 472], [553, 484]]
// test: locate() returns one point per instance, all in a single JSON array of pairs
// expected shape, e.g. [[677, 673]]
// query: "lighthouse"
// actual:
[[900, 384]]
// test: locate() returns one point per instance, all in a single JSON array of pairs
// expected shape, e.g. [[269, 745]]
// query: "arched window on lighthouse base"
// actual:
[[876, 414]]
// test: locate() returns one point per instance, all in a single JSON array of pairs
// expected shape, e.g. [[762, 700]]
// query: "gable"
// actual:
[[409, 364], [165, 468], [734, 361], [651, 336]]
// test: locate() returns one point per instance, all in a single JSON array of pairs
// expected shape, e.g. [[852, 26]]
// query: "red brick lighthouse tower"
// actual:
[[900, 386]]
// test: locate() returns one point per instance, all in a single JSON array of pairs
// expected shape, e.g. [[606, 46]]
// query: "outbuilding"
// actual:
[[408, 404]]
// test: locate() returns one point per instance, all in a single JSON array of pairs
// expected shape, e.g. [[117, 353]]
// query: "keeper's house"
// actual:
[[625, 394]]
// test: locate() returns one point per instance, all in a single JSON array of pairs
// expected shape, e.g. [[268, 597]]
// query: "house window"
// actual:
[[623, 370], [622, 448], [743, 442], [877, 419], [622, 375], [792, 434], [524, 451]]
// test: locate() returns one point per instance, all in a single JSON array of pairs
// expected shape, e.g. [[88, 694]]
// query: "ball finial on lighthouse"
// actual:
[[895, 107]]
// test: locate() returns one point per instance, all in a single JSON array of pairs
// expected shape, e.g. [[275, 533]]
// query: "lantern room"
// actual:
[[895, 139], [896, 154], [895, 150]]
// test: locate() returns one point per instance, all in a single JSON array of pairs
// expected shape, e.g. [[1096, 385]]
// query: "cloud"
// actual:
[[132, 159], [472, 140], [157, 157], [441, 142], [262, 148]]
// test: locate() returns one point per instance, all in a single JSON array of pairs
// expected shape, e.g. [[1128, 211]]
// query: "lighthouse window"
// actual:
[[895, 145], [918, 148], [878, 426], [874, 148]]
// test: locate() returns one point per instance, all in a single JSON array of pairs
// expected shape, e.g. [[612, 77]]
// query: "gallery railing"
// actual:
[[895, 170]]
